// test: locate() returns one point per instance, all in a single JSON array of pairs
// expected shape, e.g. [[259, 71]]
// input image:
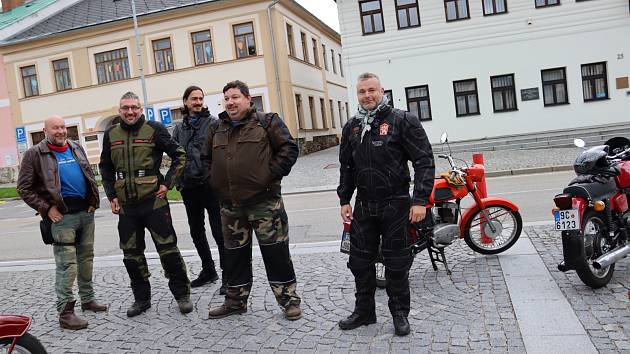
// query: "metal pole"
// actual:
[[140, 62]]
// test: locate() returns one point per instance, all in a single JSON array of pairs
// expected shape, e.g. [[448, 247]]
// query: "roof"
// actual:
[[89, 13], [20, 12]]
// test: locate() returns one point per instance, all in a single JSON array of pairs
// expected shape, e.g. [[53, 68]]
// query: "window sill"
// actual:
[[371, 33], [467, 114], [597, 99], [458, 19], [409, 27], [556, 104], [496, 13], [506, 110]]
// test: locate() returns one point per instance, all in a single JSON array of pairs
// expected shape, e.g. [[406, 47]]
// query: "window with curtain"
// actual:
[[466, 97], [503, 93], [244, 40], [290, 40], [163, 55], [315, 55], [418, 102], [594, 82], [112, 65], [62, 74], [407, 14], [371, 12], [202, 47], [494, 7], [554, 83], [544, 3], [304, 46]]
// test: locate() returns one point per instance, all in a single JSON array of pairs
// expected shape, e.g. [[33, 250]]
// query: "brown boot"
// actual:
[[68, 320], [293, 312], [93, 306], [224, 311]]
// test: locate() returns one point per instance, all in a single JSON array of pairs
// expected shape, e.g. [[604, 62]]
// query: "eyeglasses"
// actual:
[[126, 108]]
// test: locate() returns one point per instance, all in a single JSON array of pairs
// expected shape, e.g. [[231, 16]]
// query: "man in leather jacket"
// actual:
[[376, 146], [130, 166], [193, 184], [56, 179]]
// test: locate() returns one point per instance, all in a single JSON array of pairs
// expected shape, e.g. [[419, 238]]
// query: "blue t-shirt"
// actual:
[[71, 175]]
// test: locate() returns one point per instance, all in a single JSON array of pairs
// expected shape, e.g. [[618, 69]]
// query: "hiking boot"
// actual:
[[356, 320], [68, 320], [185, 305], [223, 288], [205, 277], [401, 325], [93, 306], [293, 312], [138, 307], [224, 311]]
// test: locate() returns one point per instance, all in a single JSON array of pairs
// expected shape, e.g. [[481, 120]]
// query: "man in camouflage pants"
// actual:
[[248, 153]]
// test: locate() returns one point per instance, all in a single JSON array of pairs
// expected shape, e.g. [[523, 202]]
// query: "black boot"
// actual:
[[401, 325], [356, 320], [223, 288], [205, 277], [137, 308]]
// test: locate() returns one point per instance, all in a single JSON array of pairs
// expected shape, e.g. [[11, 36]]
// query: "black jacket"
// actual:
[[377, 168], [192, 138]]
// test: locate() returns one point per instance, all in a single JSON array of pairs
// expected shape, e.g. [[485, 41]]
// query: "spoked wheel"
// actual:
[[595, 244], [495, 235], [26, 344]]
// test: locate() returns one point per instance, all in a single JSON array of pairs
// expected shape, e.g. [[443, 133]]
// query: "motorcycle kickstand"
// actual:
[[448, 270]]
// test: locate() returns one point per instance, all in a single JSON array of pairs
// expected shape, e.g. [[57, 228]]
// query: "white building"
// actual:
[[486, 68]]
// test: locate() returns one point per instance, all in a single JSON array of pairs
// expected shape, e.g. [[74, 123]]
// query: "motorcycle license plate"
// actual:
[[566, 219]]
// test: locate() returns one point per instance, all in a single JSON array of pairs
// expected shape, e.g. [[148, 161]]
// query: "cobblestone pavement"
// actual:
[[469, 312], [605, 312], [321, 169]]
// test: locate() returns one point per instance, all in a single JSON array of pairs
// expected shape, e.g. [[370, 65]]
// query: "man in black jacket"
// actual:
[[198, 196], [376, 146]]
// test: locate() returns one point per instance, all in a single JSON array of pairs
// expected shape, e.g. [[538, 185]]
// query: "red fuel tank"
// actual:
[[623, 180]]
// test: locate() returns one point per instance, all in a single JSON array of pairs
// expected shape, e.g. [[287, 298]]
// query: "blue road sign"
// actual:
[[165, 116], [20, 134], [149, 113]]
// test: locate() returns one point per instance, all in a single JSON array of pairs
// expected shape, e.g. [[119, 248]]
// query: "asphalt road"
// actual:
[[313, 217]]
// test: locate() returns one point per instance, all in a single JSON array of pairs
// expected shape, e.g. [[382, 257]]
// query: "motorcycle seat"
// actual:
[[593, 191]]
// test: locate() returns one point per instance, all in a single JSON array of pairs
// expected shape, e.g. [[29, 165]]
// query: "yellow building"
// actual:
[[79, 62]]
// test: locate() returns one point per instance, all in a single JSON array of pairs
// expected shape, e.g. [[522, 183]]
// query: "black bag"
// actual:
[[45, 227]]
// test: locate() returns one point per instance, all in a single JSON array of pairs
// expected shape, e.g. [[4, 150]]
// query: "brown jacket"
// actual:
[[38, 181], [247, 161]]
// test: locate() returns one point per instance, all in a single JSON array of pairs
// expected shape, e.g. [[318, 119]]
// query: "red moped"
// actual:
[[14, 337]]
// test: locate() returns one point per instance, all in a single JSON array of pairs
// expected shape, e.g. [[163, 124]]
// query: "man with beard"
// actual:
[[56, 179], [193, 184], [130, 166], [249, 152], [376, 146]]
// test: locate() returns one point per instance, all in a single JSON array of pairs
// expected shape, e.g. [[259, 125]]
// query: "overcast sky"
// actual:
[[325, 10]]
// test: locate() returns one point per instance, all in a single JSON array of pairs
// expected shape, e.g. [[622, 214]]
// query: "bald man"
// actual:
[[56, 179]]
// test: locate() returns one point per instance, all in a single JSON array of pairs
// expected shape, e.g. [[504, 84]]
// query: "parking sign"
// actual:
[[20, 135], [150, 113], [165, 116]]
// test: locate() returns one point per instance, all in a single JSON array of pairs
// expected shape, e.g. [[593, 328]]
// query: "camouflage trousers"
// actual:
[[74, 261], [131, 225], [269, 220]]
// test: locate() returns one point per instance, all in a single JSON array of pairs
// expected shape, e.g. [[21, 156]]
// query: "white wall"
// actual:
[[522, 42]]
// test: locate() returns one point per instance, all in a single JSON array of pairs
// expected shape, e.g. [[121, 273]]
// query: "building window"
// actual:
[[371, 16], [332, 60], [340, 66], [418, 102], [163, 55], [244, 39], [300, 111], [257, 101], [73, 134], [554, 86], [594, 82], [324, 57], [290, 39], [332, 113], [544, 3], [29, 81], [112, 66], [407, 13], [390, 98], [304, 47], [311, 108], [456, 10], [494, 7], [202, 47], [347, 113], [466, 98], [62, 74], [315, 56], [322, 108], [503, 93], [338, 109]]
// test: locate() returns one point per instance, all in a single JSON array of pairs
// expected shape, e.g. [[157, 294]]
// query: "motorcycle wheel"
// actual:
[[594, 230], [508, 226], [26, 344]]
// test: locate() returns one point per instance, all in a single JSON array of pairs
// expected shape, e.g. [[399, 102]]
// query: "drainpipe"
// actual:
[[276, 73]]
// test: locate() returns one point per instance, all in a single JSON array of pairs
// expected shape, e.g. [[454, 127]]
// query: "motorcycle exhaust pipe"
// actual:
[[611, 257]]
